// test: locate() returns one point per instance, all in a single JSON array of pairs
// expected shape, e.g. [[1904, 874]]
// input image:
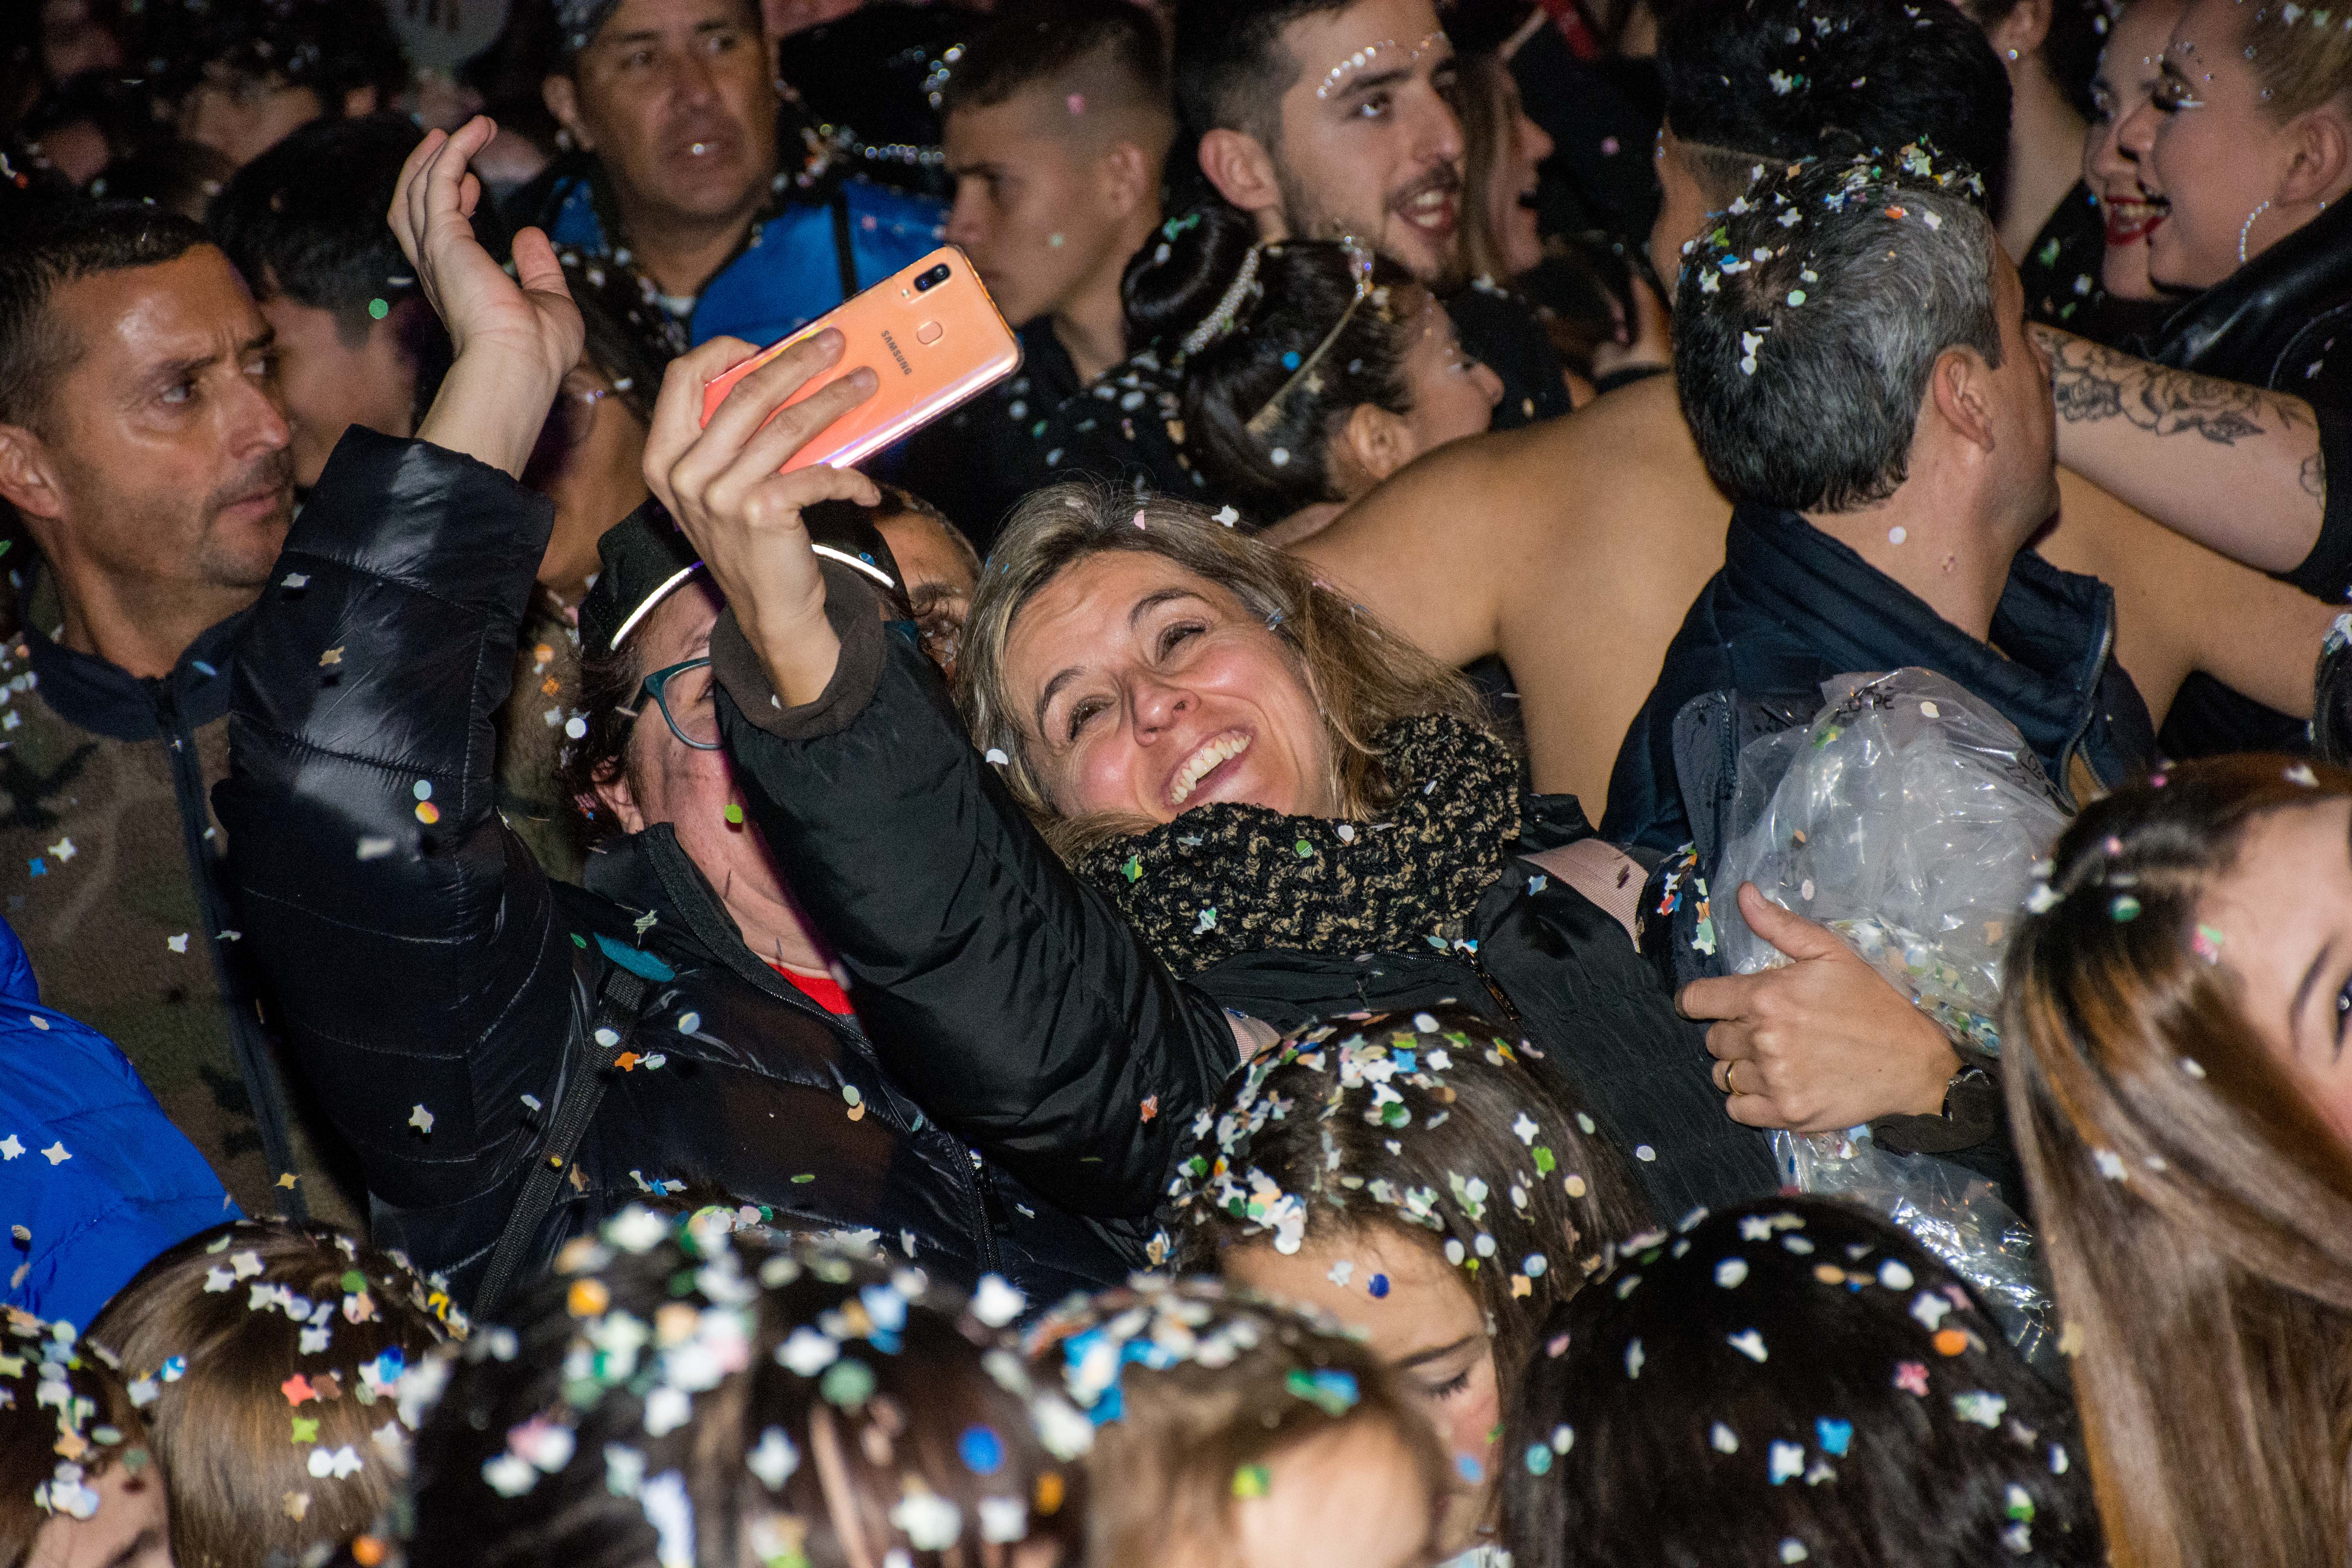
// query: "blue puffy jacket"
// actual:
[[94, 1179]]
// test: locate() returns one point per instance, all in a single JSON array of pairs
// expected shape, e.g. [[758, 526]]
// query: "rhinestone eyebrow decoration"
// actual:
[[1336, 77]]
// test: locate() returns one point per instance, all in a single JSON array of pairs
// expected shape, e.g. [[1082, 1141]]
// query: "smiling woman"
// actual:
[[1273, 809]]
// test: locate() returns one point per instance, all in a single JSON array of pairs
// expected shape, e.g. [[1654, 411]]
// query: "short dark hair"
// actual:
[[1231, 66], [1036, 41], [1793, 1370], [57, 244], [1809, 321], [305, 219], [1783, 79], [331, 46]]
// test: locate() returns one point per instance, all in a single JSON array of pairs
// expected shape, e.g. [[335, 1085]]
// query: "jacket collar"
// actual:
[[2251, 314], [2056, 629], [651, 873], [105, 699]]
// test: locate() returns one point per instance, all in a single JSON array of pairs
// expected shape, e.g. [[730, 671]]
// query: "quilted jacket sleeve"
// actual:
[[1014, 1001], [410, 941]]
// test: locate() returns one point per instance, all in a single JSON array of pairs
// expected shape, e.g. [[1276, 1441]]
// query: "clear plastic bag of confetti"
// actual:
[[1947, 1209], [1907, 817]]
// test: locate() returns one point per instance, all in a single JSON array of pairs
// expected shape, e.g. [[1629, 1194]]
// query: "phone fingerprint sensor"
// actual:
[[928, 332]]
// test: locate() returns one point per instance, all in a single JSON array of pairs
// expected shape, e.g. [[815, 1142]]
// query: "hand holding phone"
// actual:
[[733, 488], [930, 334]]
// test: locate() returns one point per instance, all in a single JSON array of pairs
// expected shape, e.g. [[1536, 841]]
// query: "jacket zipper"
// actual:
[[254, 1065]]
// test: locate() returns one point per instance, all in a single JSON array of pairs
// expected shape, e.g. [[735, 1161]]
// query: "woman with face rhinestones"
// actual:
[[2182, 1102], [2247, 139]]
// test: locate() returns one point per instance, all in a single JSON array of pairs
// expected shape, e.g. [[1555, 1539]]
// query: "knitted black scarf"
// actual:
[[1224, 879]]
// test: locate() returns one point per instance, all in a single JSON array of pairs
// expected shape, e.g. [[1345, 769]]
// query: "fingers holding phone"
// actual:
[[721, 482]]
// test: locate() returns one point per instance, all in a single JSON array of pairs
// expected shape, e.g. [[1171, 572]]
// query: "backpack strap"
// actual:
[[591, 1055]]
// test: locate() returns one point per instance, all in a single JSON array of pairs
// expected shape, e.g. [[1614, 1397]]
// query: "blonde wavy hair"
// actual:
[[2301, 54], [1362, 675]]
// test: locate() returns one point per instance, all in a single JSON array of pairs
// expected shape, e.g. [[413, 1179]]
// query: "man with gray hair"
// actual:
[[1851, 359]]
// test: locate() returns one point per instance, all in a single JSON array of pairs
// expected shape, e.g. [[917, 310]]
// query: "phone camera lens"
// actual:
[[934, 279]]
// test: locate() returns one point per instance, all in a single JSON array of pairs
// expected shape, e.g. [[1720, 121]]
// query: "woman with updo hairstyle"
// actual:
[[1310, 370], [2181, 1101], [1237, 1431]]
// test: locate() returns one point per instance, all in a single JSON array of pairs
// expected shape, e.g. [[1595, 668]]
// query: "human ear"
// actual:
[[27, 481], [2019, 35], [561, 96], [1373, 443], [2322, 157], [1237, 163], [1125, 175], [615, 796], [1959, 393]]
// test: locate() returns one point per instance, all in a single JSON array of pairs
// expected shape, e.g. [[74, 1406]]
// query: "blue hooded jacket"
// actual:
[[94, 1179]]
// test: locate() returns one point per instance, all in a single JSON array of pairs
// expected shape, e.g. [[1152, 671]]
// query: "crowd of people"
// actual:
[[583, 992]]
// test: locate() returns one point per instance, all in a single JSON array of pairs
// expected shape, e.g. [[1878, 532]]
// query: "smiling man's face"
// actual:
[[1370, 146]]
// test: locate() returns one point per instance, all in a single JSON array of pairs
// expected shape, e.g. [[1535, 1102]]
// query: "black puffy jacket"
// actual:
[[1013, 999], [431, 976]]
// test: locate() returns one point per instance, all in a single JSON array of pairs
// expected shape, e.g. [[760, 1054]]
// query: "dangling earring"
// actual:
[[2248, 227]]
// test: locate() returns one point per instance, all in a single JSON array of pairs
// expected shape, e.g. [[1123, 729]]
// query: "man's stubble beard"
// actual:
[[1304, 219]]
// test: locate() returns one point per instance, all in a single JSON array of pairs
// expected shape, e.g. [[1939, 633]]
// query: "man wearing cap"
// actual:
[[512, 1057], [672, 112]]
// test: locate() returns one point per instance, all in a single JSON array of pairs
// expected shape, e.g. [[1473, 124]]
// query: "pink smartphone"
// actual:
[[930, 332]]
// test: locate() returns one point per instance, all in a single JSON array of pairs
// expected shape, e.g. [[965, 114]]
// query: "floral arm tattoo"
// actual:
[[2094, 382]]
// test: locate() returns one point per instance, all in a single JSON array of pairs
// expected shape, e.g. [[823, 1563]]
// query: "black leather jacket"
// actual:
[[431, 974], [2284, 321]]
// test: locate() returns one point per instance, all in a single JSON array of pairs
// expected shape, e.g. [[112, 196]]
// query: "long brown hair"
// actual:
[[1362, 674], [259, 1344], [2197, 1205]]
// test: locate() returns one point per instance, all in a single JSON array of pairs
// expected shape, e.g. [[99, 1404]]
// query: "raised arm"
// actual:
[[412, 943], [2236, 468], [1012, 1001]]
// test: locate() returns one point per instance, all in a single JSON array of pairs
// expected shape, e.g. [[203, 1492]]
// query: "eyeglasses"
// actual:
[[574, 413], [683, 693], [1359, 258]]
